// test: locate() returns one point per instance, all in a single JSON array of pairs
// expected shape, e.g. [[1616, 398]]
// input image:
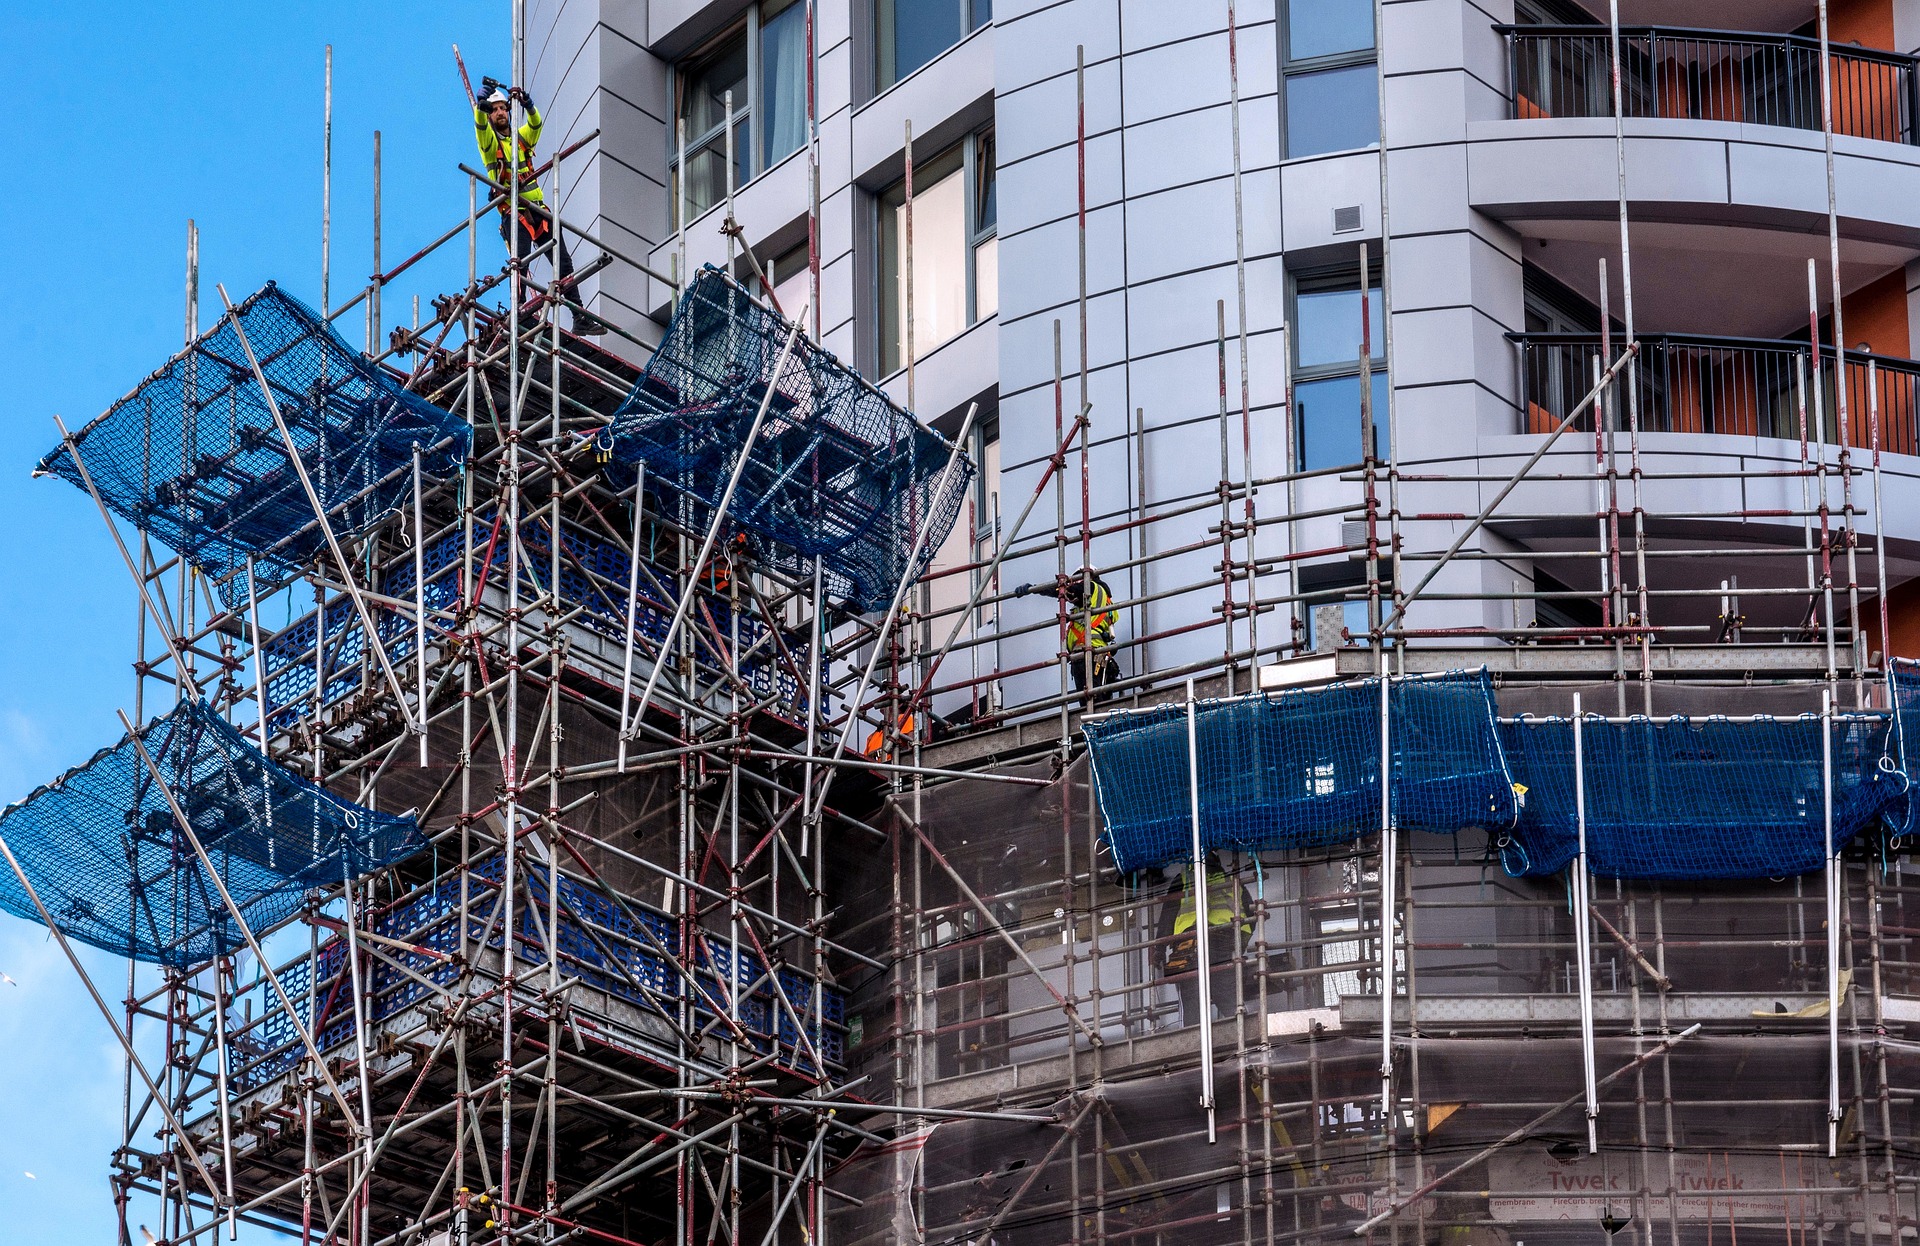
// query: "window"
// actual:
[[956, 253], [764, 65], [1332, 94], [1335, 597], [1326, 364], [787, 274], [909, 33]]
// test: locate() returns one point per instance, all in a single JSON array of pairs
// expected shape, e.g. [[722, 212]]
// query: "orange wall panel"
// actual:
[[1868, 23]]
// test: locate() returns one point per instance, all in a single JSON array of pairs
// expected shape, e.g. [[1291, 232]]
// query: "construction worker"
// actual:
[[508, 157], [720, 567], [1089, 605], [1178, 919], [885, 742]]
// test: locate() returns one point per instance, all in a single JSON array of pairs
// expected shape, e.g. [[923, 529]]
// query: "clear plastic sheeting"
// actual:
[[192, 457], [1301, 768], [838, 471], [1698, 798], [109, 860]]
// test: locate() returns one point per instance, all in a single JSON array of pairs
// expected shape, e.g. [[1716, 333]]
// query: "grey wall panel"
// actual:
[[1179, 150], [833, 84], [951, 375], [1423, 36], [1041, 116], [1427, 108], [1041, 44], [1431, 189], [1179, 77], [1147, 23], [1047, 180], [1039, 266], [1433, 270], [1180, 230], [1310, 191], [944, 99]]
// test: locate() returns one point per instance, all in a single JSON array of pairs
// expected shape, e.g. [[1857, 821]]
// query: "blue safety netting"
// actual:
[[1300, 768], [110, 863], [1903, 695], [1697, 798], [192, 457], [838, 472]]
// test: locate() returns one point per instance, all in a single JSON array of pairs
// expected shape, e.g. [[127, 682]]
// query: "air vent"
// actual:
[[1353, 535], [1346, 220]]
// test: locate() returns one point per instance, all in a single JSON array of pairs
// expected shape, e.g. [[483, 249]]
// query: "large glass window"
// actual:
[[1332, 94], [909, 33], [956, 260], [763, 63], [1326, 360]]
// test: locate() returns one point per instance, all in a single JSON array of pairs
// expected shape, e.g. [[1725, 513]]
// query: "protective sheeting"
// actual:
[[1301, 768], [113, 867], [838, 472], [1301, 1154], [192, 457]]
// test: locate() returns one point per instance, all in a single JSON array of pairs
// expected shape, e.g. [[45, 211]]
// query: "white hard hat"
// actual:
[[499, 96]]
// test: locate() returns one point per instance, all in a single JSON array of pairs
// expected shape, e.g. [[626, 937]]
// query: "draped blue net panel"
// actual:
[[1697, 798], [838, 471], [192, 457], [113, 868], [1903, 694], [1300, 768]]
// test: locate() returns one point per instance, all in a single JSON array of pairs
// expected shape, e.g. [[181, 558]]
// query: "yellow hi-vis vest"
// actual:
[[493, 151], [1099, 609], [1219, 904]]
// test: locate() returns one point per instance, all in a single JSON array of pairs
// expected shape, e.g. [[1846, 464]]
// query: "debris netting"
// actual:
[[1698, 798], [1301, 1153], [838, 471], [1301, 768], [193, 459], [103, 849]]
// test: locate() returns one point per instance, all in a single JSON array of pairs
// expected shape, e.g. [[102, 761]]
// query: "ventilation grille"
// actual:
[[1346, 220]]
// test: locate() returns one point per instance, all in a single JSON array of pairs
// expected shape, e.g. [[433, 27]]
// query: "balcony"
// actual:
[[1709, 75], [1750, 387]]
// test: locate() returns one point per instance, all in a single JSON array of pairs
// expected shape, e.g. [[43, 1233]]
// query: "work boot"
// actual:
[[586, 324]]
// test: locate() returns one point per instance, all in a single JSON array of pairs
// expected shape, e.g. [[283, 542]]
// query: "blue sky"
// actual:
[[126, 119]]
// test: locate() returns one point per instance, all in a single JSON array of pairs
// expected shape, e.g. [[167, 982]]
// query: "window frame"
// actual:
[[749, 114], [1292, 67], [1331, 279], [974, 235], [885, 71]]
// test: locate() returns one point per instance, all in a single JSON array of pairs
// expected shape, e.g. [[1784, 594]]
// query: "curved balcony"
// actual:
[[1732, 386], [1709, 75]]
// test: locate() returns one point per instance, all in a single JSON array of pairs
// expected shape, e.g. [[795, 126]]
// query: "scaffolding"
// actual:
[[668, 955]]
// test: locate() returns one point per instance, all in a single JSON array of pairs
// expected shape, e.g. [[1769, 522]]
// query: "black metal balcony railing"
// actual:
[[1739, 386], [1709, 75]]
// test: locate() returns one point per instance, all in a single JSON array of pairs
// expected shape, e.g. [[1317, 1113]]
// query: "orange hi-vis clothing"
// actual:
[[493, 150]]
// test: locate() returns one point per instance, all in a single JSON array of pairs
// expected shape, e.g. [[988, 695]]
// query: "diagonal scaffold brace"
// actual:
[[629, 729], [417, 723], [239, 919]]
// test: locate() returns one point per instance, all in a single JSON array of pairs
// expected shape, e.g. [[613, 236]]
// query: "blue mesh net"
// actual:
[[192, 457], [1301, 768], [838, 471], [109, 861], [1696, 798], [593, 577], [1903, 694]]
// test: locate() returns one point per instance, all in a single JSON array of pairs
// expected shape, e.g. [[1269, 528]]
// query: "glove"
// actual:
[[1023, 590], [526, 101]]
